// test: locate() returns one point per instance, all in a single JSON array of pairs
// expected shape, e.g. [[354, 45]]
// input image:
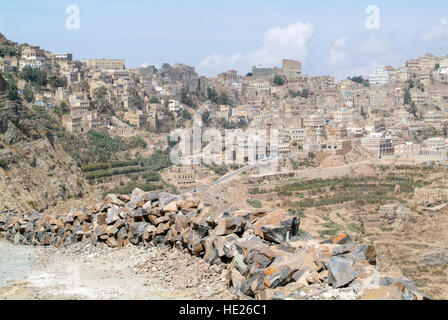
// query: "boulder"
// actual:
[[277, 226], [341, 271], [228, 224], [111, 242], [211, 255], [100, 230], [167, 198], [171, 207], [112, 214], [162, 228], [112, 199], [343, 238]]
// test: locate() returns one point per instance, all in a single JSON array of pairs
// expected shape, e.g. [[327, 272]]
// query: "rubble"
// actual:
[[262, 252]]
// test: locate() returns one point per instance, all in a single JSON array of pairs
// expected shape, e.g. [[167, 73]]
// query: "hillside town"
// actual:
[[288, 186], [397, 113]]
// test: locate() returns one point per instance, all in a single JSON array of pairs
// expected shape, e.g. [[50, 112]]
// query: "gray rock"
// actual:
[[112, 214], [341, 272], [240, 265], [167, 198]]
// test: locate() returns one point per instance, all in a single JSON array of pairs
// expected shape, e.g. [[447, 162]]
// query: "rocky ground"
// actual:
[[83, 271]]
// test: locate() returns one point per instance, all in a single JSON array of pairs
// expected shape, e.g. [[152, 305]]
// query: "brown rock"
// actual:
[[277, 226], [100, 230], [113, 199], [171, 207], [162, 228], [111, 242]]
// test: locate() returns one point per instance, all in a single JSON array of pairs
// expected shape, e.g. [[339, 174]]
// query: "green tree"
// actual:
[[407, 96], [205, 116], [363, 113], [185, 97], [224, 99], [34, 75], [28, 93], [186, 115], [64, 108], [100, 98], [212, 95], [357, 79], [278, 80], [57, 82], [413, 109], [154, 100], [13, 92]]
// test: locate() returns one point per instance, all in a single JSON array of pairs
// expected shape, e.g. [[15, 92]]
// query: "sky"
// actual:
[[338, 38]]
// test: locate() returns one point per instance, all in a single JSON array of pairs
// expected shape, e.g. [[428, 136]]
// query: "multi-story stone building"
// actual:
[[105, 64]]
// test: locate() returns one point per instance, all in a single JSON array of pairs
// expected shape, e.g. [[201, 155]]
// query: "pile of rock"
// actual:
[[266, 257]]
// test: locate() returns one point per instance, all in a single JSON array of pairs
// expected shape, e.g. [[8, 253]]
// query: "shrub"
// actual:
[[254, 203]]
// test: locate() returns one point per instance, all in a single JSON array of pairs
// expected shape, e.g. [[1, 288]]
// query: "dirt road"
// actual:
[[103, 273]]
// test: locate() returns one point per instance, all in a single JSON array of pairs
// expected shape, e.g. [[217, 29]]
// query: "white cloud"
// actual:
[[360, 55], [278, 43], [338, 56], [436, 32]]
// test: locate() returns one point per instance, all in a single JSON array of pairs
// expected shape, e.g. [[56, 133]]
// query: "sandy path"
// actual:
[[93, 273]]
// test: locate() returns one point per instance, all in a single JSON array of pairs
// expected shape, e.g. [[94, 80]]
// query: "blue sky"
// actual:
[[329, 37]]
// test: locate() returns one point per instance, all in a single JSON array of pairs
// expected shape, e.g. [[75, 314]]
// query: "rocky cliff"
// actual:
[[35, 172]]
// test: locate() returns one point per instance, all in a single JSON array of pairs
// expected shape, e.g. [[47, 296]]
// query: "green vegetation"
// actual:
[[185, 97], [127, 189], [100, 97], [57, 82], [149, 167], [220, 170], [28, 93], [303, 94], [223, 98], [108, 165], [97, 146], [137, 101], [12, 84], [331, 228], [3, 163], [278, 80], [205, 116], [212, 95], [254, 203], [360, 80], [8, 51], [368, 190], [408, 101], [42, 112], [34, 75], [154, 100]]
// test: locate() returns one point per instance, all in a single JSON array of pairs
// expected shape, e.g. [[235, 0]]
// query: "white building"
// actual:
[[64, 56], [380, 77]]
